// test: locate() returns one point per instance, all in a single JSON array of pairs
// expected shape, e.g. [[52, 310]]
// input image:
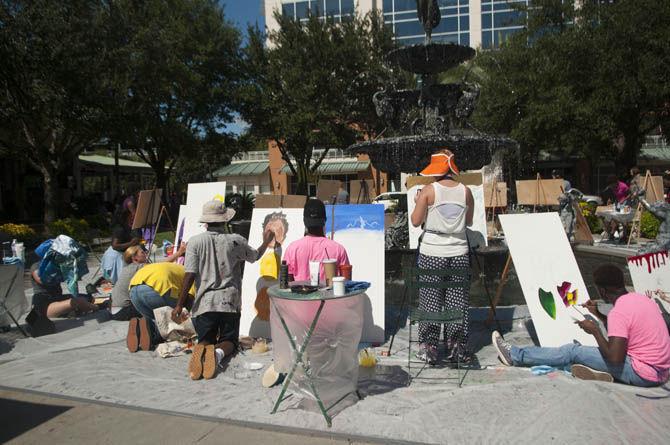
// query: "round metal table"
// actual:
[[322, 295]]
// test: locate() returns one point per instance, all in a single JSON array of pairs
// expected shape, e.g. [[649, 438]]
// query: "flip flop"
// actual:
[[195, 365], [132, 339], [145, 334], [209, 363]]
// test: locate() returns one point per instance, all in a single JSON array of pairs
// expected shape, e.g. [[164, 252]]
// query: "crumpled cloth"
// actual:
[[170, 330], [172, 349], [12, 260], [353, 286], [64, 261]]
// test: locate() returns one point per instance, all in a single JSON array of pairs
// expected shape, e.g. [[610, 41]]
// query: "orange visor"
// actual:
[[440, 165]]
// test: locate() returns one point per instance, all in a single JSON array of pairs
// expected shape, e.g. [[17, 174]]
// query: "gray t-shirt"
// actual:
[[216, 260], [121, 291]]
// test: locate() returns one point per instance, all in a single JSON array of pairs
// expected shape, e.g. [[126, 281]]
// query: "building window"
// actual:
[[500, 20], [454, 24], [301, 9]]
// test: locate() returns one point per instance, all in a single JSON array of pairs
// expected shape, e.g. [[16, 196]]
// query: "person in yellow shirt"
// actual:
[[153, 286]]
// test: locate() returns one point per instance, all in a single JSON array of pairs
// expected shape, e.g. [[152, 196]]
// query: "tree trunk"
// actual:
[[301, 179], [50, 195]]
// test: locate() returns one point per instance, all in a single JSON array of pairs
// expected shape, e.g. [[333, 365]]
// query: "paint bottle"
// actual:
[[283, 275]]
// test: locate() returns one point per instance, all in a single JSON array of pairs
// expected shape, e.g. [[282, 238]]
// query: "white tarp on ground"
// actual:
[[495, 405]]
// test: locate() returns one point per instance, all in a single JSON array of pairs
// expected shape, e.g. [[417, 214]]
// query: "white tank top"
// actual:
[[444, 229]]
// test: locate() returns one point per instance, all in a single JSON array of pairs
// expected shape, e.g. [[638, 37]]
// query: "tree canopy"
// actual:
[[311, 86], [590, 81]]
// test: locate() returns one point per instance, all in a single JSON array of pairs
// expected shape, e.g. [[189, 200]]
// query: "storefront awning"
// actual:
[[109, 162], [246, 168], [336, 167]]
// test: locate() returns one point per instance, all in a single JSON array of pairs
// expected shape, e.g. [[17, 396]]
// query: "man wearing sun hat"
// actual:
[[213, 262], [444, 209]]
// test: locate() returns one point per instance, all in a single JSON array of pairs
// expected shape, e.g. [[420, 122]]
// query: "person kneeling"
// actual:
[[636, 352], [213, 262], [153, 286]]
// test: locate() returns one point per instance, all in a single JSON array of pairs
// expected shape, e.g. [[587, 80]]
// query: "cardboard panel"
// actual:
[[654, 190], [148, 208], [418, 180], [544, 192], [473, 178], [280, 201], [495, 195], [326, 189], [357, 191]]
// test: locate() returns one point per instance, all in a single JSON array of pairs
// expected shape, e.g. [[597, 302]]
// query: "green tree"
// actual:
[[591, 81], [312, 86], [51, 88], [176, 68]]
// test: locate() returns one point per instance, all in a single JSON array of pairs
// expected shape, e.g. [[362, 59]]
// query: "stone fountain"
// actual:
[[433, 116]]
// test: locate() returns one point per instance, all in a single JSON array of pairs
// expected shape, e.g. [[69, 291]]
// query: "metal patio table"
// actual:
[[323, 295]]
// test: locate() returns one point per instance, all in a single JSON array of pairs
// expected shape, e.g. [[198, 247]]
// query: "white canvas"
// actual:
[[477, 234], [543, 260], [651, 272], [364, 242], [197, 196], [181, 225]]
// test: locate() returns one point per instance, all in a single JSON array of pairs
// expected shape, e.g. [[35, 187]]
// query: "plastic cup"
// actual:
[[314, 267], [338, 286], [330, 269], [345, 271]]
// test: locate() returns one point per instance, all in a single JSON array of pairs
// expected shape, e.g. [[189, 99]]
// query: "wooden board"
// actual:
[[356, 196], [148, 208], [497, 199], [549, 191], [326, 189], [280, 201]]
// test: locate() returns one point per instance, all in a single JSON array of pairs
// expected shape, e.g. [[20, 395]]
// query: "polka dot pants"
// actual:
[[436, 300]]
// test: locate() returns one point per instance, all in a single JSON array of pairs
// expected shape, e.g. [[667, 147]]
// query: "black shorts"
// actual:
[[216, 327], [43, 300]]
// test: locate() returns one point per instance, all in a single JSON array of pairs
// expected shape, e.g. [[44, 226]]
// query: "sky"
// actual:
[[242, 13]]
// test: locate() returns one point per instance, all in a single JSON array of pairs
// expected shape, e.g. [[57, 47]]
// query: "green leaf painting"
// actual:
[[547, 302]]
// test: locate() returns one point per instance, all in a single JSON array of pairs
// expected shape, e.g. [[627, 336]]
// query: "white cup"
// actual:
[[314, 269], [338, 286]]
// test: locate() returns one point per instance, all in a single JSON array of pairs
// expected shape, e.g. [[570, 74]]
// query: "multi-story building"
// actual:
[[476, 23]]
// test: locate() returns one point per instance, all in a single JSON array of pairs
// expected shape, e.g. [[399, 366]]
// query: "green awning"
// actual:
[[109, 161], [336, 168], [246, 168], [661, 153]]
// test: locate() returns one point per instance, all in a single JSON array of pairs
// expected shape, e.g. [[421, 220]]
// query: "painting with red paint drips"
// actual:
[[650, 273]]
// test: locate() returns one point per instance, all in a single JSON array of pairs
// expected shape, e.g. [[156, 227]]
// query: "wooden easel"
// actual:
[[635, 227], [508, 263]]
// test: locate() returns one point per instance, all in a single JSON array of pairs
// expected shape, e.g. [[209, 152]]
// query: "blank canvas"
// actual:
[[197, 196], [543, 260]]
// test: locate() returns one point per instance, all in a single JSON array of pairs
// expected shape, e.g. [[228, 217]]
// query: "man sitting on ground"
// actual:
[[314, 246], [153, 286], [50, 302], [213, 262], [636, 352]]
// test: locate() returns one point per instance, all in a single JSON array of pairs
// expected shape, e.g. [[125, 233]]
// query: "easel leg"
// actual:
[[503, 280]]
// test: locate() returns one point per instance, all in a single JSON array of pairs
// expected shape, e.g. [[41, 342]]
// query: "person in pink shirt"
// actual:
[[636, 350], [314, 246]]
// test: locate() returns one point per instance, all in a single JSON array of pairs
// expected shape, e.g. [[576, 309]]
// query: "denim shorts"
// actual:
[[216, 327]]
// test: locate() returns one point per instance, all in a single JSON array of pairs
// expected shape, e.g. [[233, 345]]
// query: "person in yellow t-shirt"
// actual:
[[153, 286]]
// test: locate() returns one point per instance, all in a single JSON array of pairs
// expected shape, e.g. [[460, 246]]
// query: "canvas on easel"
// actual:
[[148, 208], [197, 196], [539, 192], [362, 191], [650, 273], [549, 276]]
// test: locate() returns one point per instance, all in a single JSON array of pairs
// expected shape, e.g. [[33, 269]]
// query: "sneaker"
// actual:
[[503, 349], [195, 364], [209, 363], [427, 353], [585, 373]]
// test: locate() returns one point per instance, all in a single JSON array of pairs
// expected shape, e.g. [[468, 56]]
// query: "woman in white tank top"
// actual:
[[444, 209]]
